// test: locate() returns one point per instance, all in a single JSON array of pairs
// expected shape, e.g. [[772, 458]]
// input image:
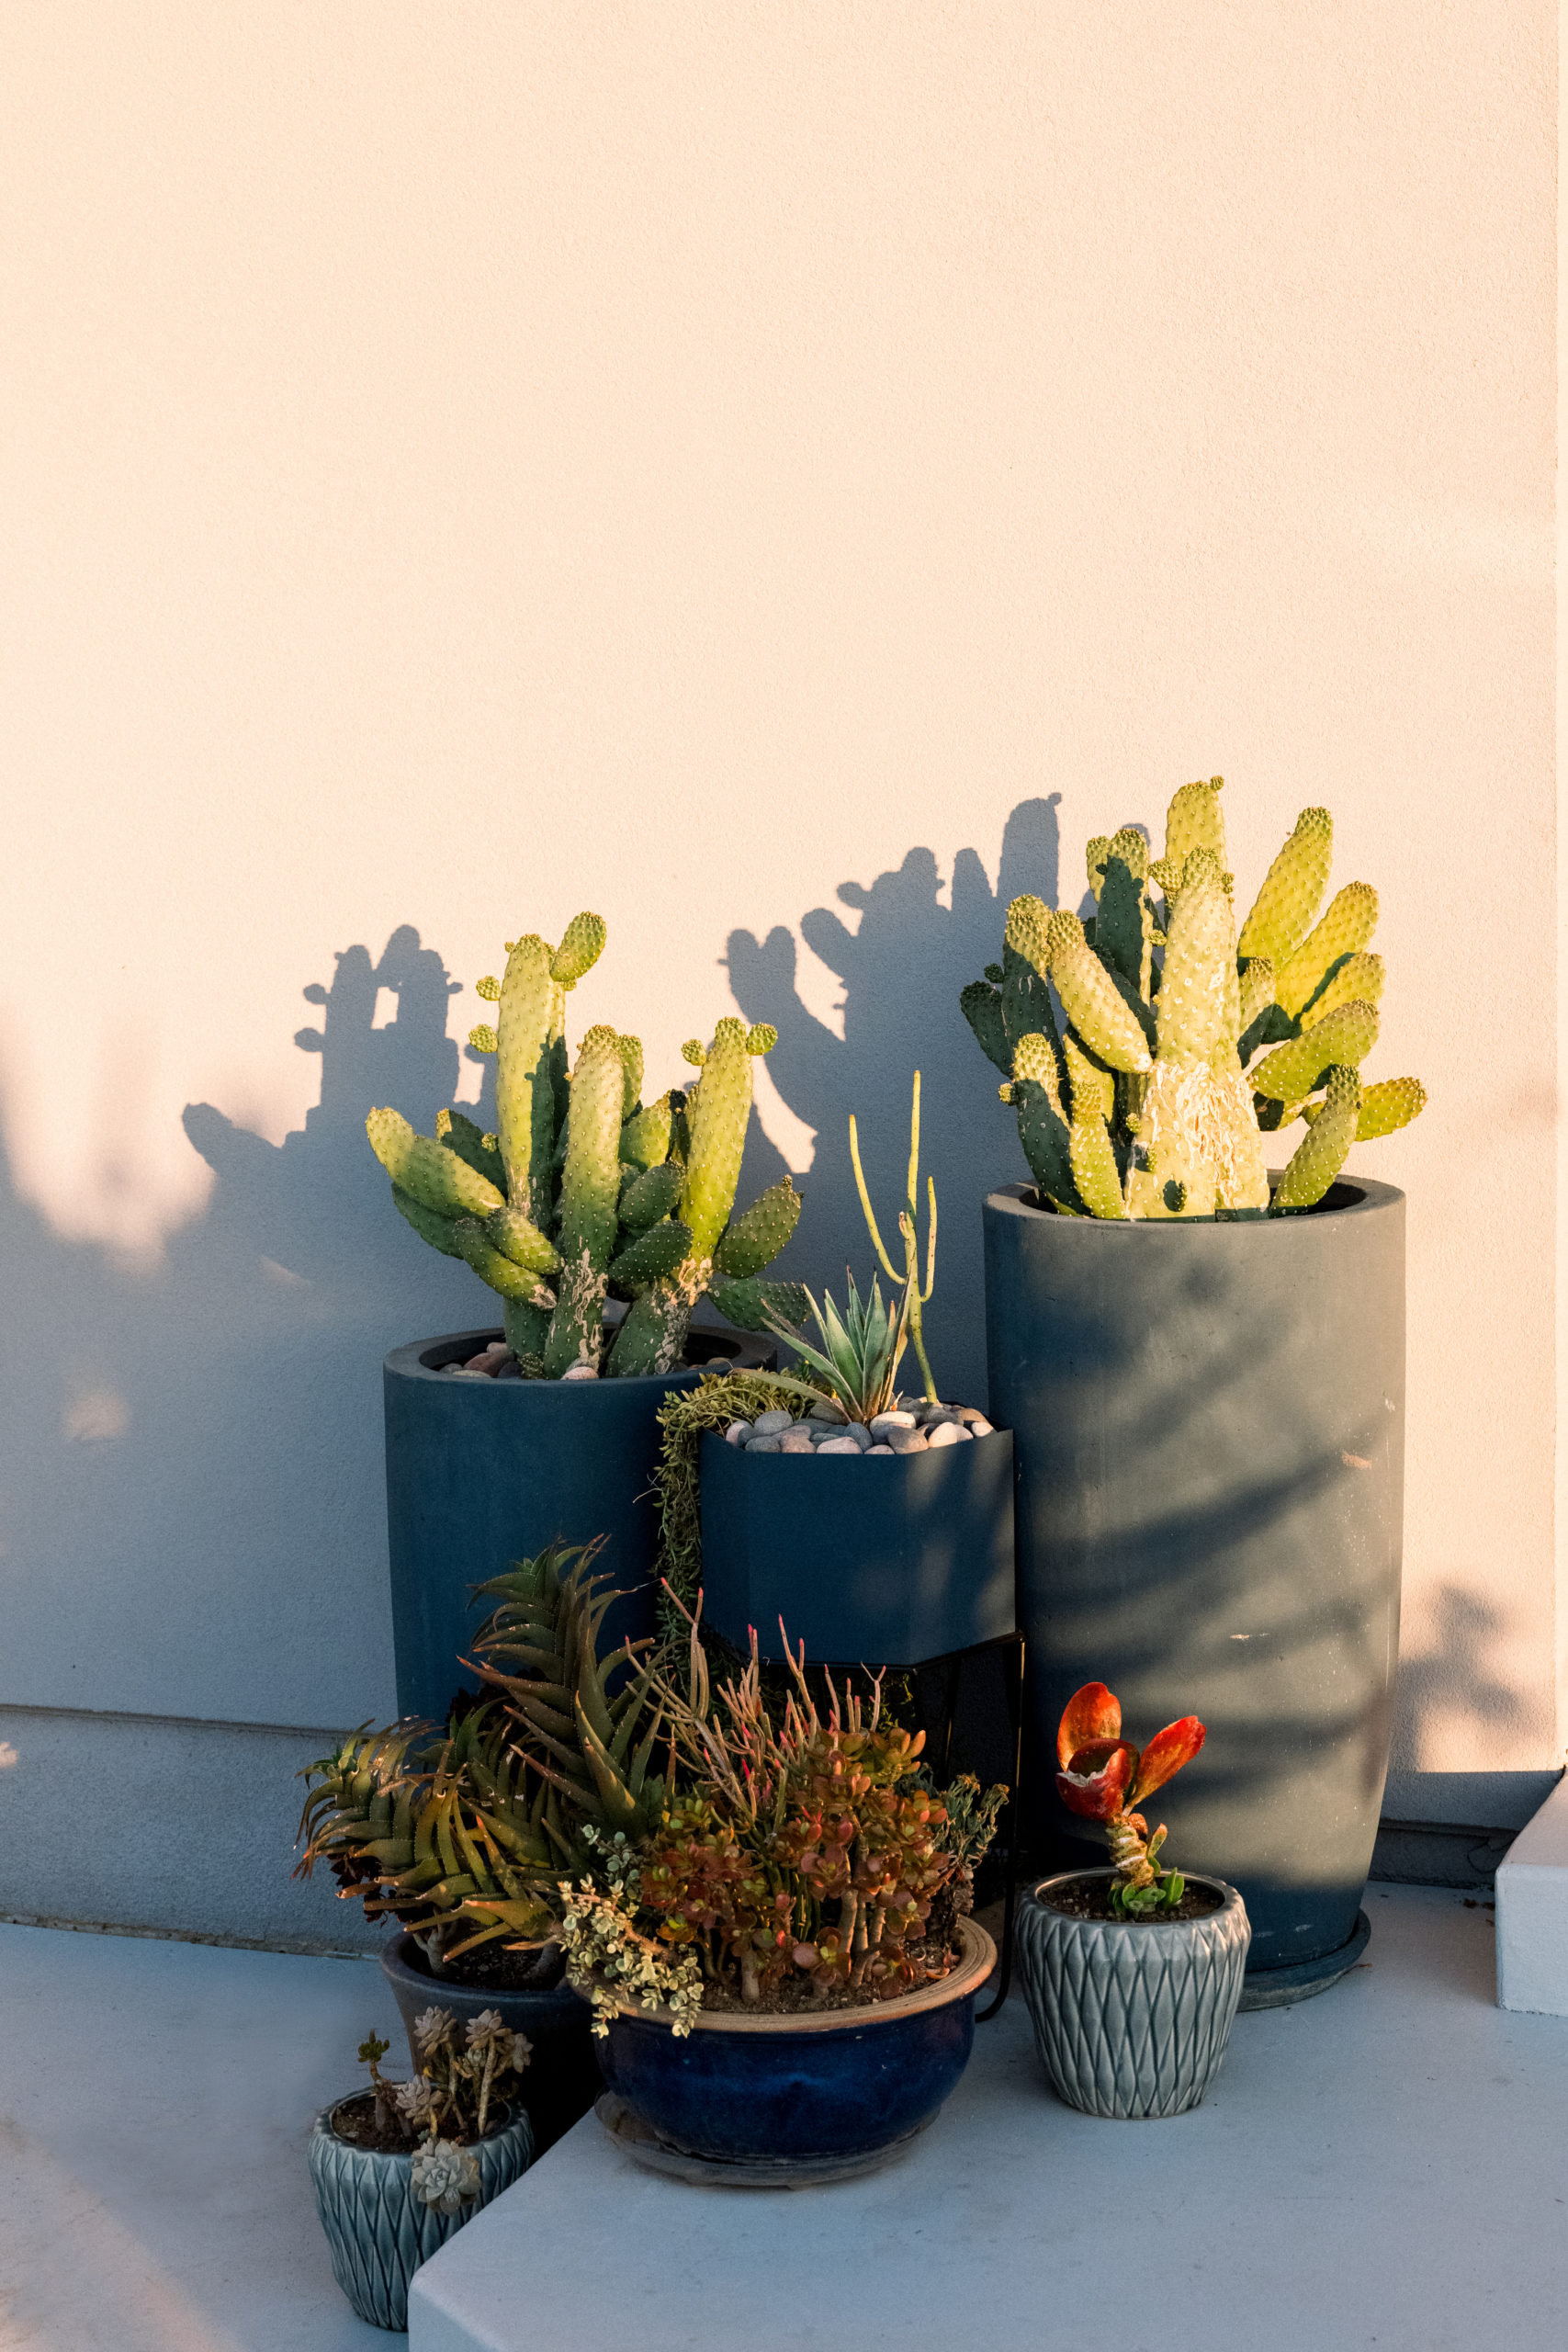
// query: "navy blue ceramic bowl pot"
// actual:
[[842, 2084]]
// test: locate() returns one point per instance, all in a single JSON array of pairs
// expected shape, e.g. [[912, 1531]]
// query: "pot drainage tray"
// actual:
[[638, 2140]]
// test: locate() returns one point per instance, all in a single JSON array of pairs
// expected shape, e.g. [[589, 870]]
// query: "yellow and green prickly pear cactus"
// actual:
[[1179, 1044], [585, 1193]]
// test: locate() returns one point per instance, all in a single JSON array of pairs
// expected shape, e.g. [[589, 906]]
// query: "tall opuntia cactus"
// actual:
[[725, 1254], [1140, 1103], [585, 1193]]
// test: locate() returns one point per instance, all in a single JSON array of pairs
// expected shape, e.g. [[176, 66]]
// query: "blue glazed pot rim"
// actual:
[[978, 1957], [1231, 1902], [1370, 1197]]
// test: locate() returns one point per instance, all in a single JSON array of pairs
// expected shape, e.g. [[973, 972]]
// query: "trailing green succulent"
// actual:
[[584, 1192], [463, 1838], [1147, 1100], [684, 1418]]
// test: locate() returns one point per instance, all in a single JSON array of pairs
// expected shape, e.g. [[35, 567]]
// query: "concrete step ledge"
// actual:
[[1533, 1913]]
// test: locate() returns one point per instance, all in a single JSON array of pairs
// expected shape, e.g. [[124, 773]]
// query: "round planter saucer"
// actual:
[[646, 2147], [1276, 1988]]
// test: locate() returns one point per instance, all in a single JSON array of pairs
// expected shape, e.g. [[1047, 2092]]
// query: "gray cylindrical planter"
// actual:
[[481, 1473], [892, 1560], [378, 2230], [1131, 2016], [563, 2079], [1209, 1424]]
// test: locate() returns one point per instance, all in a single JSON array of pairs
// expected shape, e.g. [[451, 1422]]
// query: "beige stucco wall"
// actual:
[[714, 464]]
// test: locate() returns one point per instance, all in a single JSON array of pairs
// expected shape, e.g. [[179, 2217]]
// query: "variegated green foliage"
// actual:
[[1138, 1100], [438, 1832], [585, 1194]]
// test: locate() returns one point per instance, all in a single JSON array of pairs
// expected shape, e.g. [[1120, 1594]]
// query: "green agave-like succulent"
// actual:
[[1148, 1099], [435, 1830]]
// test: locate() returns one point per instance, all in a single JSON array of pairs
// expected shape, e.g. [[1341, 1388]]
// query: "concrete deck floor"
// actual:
[[1386, 2165]]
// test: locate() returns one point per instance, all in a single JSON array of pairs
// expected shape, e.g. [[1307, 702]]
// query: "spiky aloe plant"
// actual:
[[438, 1831], [582, 1723], [857, 1364], [1146, 1100], [584, 1192]]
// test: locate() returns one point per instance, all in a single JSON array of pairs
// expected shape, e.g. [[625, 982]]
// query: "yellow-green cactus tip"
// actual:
[[483, 1039], [491, 1143], [1033, 1057], [444, 1122], [1005, 1089], [600, 1034], [694, 1052], [729, 1031], [761, 1037], [488, 987], [582, 944]]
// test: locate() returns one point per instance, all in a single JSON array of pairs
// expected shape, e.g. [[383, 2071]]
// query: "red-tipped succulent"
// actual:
[[1103, 1777]]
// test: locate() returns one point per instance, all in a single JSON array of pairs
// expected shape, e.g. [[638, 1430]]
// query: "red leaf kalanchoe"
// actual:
[[1103, 1777]]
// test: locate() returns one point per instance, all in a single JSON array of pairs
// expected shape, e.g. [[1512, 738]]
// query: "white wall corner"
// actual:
[[1533, 1913]]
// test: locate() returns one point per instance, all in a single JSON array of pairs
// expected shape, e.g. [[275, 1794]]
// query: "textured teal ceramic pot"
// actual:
[[1131, 2016], [379, 2232]]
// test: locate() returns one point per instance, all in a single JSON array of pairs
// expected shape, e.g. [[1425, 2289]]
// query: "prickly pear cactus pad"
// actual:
[[1149, 1047], [585, 1193]]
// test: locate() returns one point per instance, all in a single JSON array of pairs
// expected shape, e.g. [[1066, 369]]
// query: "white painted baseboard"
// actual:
[[1533, 1913]]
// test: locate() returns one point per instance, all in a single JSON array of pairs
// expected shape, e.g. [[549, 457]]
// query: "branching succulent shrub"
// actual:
[[584, 1192], [1148, 1098], [793, 1846], [1103, 1777]]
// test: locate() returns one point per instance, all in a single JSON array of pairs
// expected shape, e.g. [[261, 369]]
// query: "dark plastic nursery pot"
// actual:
[[892, 1559], [561, 2080], [847, 2085], [481, 1473], [1209, 1421], [1131, 2016]]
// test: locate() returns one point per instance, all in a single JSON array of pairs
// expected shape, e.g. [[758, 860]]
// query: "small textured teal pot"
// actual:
[[379, 2232], [1131, 2016]]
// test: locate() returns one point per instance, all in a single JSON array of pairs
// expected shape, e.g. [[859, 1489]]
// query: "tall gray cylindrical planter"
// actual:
[[481, 1473], [1209, 1424], [1131, 2016], [889, 1561], [378, 2230]]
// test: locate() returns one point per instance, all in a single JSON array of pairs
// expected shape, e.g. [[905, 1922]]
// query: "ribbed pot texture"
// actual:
[[379, 2232], [1131, 2018]]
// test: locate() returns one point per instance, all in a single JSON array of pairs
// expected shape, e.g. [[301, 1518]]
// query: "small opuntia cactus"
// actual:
[[585, 1193], [1140, 1102]]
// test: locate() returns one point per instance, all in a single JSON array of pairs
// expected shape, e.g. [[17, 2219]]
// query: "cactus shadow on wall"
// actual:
[[195, 1523], [901, 966]]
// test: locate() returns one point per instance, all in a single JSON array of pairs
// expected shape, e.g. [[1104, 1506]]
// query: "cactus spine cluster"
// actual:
[[1147, 1098], [584, 1192]]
